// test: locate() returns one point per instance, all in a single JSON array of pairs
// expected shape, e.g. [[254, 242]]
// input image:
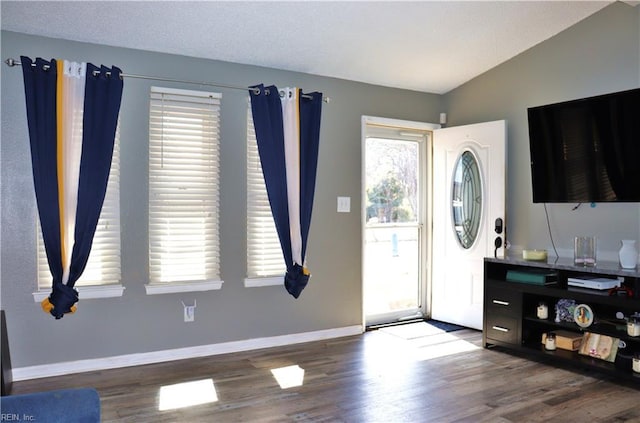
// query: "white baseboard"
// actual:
[[70, 367]]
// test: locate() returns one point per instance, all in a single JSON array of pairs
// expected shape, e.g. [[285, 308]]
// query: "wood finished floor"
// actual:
[[376, 377]]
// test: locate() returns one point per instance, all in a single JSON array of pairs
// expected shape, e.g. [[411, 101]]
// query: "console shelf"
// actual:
[[510, 320]]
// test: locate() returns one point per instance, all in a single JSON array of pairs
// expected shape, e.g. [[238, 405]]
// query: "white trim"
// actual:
[[426, 221], [398, 123], [87, 292], [79, 366], [268, 281], [183, 286]]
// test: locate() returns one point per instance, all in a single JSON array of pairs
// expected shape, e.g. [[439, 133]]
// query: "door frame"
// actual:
[[426, 177]]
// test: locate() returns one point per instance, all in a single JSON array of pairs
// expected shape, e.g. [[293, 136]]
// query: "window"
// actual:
[[101, 276], [184, 137], [265, 263]]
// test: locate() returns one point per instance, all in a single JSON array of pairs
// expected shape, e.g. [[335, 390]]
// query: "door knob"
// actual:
[[497, 243]]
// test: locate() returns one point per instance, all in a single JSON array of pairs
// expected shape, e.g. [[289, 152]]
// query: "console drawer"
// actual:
[[502, 328], [505, 301]]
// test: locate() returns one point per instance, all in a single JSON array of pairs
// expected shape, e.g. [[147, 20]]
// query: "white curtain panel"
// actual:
[[70, 126], [291, 123]]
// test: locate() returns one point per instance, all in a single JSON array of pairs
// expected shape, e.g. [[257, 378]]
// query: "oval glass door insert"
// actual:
[[466, 199]]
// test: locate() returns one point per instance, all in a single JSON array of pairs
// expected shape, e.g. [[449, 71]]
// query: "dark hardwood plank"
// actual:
[[376, 377]]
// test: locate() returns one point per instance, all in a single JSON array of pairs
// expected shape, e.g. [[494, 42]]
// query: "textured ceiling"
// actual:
[[423, 46]]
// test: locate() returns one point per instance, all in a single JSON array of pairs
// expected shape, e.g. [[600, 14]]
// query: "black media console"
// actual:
[[510, 320]]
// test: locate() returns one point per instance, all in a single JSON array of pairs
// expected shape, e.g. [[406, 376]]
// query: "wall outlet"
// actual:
[[189, 313]]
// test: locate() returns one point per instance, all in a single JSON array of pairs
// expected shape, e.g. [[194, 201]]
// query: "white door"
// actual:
[[468, 198]]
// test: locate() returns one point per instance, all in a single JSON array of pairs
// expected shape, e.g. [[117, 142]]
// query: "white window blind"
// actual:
[[184, 136], [103, 266], [264, 255]]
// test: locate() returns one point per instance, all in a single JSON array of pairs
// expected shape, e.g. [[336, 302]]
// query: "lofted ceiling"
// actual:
[[429, 46]]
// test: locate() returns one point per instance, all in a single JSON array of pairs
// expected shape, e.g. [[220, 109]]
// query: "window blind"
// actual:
[[264, 255], [103, 266], [184, 135]]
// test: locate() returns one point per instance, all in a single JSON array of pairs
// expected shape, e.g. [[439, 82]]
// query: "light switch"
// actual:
[[344, 204]]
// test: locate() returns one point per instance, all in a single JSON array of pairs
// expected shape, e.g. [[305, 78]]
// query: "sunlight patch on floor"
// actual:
[[388, 352], [443, 350], [187, 394], [288, 377]]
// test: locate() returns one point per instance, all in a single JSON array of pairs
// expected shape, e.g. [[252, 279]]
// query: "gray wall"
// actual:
[[139, 323], [598, 55], [595, 56]]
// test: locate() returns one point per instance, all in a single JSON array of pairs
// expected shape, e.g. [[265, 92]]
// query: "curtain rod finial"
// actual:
[[10, 62]]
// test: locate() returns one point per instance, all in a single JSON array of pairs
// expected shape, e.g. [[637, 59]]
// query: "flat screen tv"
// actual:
[[586, 150]]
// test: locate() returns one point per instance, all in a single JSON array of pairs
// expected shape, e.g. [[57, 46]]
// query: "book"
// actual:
[[536, 277], [599, 346]]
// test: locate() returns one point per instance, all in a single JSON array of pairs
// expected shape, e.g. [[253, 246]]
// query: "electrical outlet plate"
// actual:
[[189, 313]]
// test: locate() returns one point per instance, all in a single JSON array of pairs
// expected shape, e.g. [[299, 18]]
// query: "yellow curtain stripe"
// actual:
[[60, 155]]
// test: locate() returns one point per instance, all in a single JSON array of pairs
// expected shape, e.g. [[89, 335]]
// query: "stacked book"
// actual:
[[535, 277]]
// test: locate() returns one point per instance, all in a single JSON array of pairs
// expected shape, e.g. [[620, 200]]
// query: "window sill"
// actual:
[[173, 287], [268, 281], [87, 292]]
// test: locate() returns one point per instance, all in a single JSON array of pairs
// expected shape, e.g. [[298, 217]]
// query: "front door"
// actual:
[[468, 200]]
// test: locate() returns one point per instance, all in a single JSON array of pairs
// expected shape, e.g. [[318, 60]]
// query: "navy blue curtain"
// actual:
[[103, 93], [268, 124], [40, 92], [310, 113]]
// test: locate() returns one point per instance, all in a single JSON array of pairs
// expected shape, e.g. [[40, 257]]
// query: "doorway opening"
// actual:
[[396, 195]]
